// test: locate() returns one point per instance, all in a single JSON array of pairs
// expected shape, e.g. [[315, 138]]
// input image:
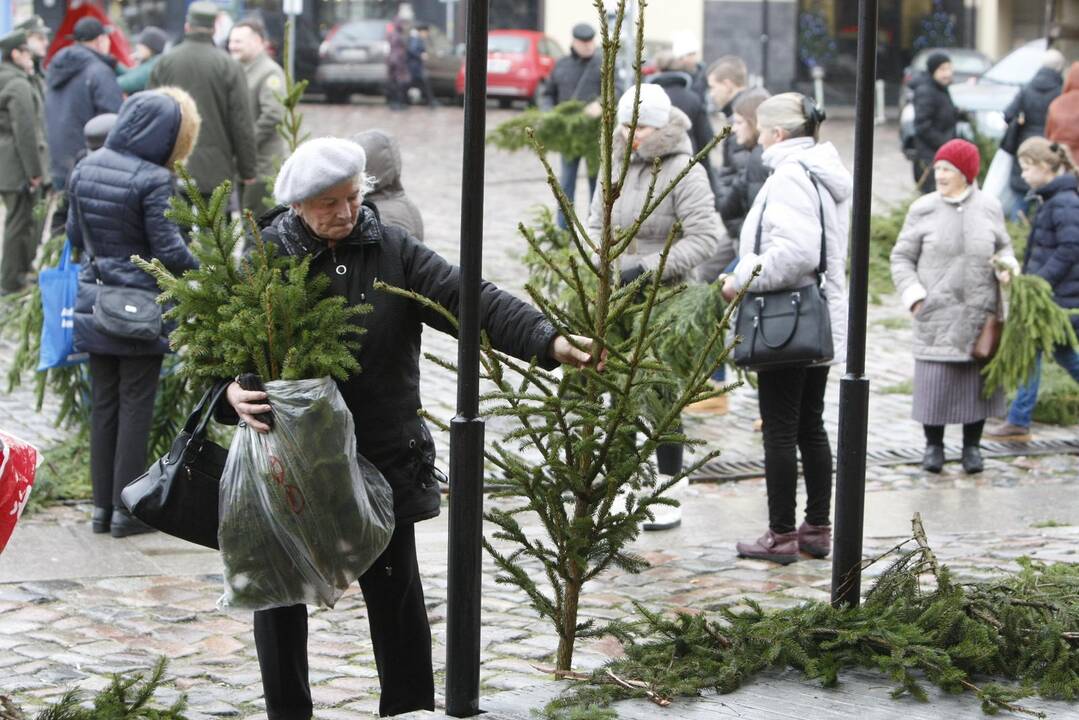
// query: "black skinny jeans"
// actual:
[[400, 633], [122, 391], [792, 409]]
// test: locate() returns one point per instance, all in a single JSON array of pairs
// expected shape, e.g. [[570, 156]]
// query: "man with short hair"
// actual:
[[22, 159], [226, 146], [265, 85], [149, 46], [417, 68], [575, 76], [80, 84]]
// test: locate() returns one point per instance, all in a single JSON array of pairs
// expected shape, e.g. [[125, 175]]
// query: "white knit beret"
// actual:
[[655, 108], [318, 165]]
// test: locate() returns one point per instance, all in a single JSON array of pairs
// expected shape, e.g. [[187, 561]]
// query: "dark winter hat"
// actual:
[[154, 38], [202, 14], [583, 31], [14, 39], [963, 156], [33, 24], [87, 29], [935, 61], [97, 129]]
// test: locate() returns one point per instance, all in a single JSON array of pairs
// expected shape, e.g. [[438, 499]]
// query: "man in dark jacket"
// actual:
[[575, 77], [321, 189], [80, 84], [417, 64], [1027, 113], [22, 159], [226, 147], [935, 117], [677, 81]]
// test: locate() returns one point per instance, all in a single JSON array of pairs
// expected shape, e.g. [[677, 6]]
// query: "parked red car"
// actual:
[[518, 61]]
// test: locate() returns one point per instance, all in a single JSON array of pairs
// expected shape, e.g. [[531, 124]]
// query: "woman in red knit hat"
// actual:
[[941, 267]]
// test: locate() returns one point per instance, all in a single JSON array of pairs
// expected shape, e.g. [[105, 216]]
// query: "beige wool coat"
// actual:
[[942, 258], [691, 202]]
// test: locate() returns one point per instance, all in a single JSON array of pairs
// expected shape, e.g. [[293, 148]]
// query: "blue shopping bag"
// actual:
[[59, 286]]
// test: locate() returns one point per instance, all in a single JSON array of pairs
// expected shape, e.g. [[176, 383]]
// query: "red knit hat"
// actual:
[[963, 155]]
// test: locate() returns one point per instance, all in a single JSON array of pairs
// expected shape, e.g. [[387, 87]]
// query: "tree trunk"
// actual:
[[569, 626]]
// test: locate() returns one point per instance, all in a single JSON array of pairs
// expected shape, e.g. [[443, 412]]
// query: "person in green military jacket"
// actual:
[[226, 146], [266, 85], [22, 162], [148, 48], [37, 39]]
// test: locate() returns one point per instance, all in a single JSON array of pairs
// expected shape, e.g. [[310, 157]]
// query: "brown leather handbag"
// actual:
[[985, 347]]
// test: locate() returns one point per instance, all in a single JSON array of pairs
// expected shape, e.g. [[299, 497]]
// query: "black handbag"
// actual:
[[1009, 143], [178, 495], [786, 328], [125, 313]]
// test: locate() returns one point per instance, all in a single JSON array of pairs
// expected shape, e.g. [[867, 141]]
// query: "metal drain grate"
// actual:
[[722, 471]]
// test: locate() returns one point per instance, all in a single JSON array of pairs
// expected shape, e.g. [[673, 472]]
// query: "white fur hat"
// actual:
[[318, 165], [655, 108]]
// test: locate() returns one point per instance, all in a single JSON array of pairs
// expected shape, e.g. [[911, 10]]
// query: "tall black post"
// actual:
[[765, 41], [854, 387], [466, 429]]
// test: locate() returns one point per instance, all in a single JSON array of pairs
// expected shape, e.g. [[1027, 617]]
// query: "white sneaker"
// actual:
[[667, 517]]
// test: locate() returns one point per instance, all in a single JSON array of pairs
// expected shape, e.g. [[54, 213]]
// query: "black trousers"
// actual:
[[399, 631], [792, 409], [122, 392]]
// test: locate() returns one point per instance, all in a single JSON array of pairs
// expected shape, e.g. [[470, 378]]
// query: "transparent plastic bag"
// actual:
[[303, 515]]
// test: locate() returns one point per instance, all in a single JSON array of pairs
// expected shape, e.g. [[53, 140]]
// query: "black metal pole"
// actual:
[[765, 40], [466, 429], [854, 387]]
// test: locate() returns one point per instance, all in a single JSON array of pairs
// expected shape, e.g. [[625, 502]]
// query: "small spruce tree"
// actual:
[[580, 455]]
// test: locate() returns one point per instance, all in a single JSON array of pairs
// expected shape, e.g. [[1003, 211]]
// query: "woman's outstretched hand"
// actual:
[[564, 352], [248, 404]]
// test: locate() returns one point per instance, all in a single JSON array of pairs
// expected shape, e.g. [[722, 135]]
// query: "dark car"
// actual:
[[518, 61], [985, 99], [352, 59]]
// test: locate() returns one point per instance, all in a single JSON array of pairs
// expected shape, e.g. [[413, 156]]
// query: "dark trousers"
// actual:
[[423, 82], [923, 176], [792, 409], [400, 634], [20, 243], [568, 181], [122, 391]]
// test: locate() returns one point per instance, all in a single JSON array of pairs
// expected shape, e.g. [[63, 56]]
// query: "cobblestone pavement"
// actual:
[[75, 607]]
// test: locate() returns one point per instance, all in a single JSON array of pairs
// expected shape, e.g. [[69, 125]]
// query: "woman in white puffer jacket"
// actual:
[[789, 211]]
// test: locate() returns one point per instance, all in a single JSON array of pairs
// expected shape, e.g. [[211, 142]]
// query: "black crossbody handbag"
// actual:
[[786, 328], [125, 313], [178, 495]]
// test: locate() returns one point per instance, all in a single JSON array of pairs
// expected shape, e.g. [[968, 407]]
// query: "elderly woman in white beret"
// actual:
[[323, 215]]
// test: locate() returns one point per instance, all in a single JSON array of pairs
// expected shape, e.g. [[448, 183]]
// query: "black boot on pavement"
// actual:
[[972, 460], [933, 460], [99, 521], [124, 524]]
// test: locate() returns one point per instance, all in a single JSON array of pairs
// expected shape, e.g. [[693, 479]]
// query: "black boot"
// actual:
[[933, 460], [99, 521], [124, 524], [972, 460]]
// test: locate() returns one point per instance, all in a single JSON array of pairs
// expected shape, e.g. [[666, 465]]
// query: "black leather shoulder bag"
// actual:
[[178, 495], [786, 328]]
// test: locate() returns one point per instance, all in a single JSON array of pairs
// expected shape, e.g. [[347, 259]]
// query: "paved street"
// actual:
[[75, 607]]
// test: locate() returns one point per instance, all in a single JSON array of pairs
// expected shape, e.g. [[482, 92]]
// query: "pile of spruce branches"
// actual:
[[917, 625]]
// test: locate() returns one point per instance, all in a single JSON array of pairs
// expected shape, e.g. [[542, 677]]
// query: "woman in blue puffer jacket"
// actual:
[[122, 192], [1053, 254]]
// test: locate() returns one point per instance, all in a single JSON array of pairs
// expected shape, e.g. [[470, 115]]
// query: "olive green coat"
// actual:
[[225, 149], [266, 85], [22, 129]]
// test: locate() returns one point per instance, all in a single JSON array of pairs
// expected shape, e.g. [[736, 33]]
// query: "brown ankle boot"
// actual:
[[815, 540], [777, 547]]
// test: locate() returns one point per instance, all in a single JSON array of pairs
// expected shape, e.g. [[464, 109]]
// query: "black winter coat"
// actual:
[[1031, 106], [679, 88], [738, 187], [935, 117], [80, 84], [572, 78], [1053, 248], [384, 396], [123, 190]]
